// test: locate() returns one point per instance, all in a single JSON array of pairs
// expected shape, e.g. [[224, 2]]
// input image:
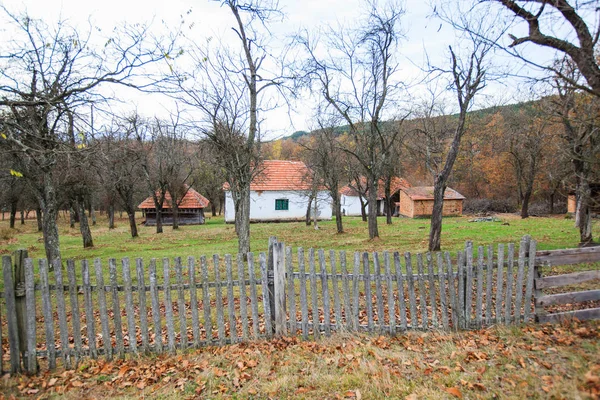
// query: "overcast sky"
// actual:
[[210, 19]]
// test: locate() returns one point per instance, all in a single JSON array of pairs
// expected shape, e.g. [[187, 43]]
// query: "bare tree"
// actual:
[[354, 71], [46, 71], [467, 79], [226, 87]]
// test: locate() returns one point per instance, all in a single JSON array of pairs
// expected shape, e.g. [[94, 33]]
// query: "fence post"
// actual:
[[271, 283], [11, 314], [20, 304], [279, 287]]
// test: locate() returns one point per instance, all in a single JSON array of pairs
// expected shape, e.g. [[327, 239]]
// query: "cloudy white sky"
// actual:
[[209, 19]]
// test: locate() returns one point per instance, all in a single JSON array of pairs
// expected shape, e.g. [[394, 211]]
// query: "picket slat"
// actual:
[[89, 311], [194, 301], [139, 271], [243, 298], [219, 299], [183, 339], [346, 291], [410, 278], [106, 339], [303, 296], [488, 284], [253, 296], [230, 302], [378, 292], [442, 283], [131, 331], [509, 284], [116, 307], [62, 315], [519, 283], [75, 310], [325, 293], [400, 286], [313, 293], [168, 305], [432, 301], [31, 365], [530, 276], [262, 257], [422, 294], [499, 282], [479, 293], [355, 308], [11, 315], [390, 293], [462, 281], [206, 300], [451, 290], [291, 306], [158, 343], [336, 295], [368, 296], [469, 285]]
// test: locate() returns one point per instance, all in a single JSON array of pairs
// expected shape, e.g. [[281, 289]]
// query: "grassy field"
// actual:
[[530, 362], [216, 237]]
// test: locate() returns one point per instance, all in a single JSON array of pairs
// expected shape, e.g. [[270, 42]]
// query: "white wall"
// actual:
[[262, 206], [350, 205]]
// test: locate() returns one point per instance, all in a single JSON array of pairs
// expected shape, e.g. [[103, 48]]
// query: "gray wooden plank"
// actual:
[[566, 279], [168, 305], [523, 246], [116, 307], [581, 315], [219, 300], [469, 284], [325, 293], [355, 293], [509, 284], [61, 308], [452, 290], [568, 298], [206, 300], [230, 300], [106, 339], [489, 282], [11, 315], [291, 304], [368, 295], [390, 293], [262, 257], [155, 304], [568, 256], [443, 282], [253, 296], [346, 291], [462, 287], [303, 296], [194, 300], [479, 294], [378, 292], [412, 300], [422, 292], [141, 287], [131, 329], [243, 297], [89, 311], [499, 296], [313, 293], [337, 307], [528, 301], [400, 286], [432, 297], [278, 288], [75, 310], [183, 339], [30, 327]]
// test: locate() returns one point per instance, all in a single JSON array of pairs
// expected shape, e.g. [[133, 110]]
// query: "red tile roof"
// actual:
[[192, 199], [426, 193], [397, 184], [280, 175]]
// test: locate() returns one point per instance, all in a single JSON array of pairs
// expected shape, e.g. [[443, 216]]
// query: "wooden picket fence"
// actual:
[[164, 305]]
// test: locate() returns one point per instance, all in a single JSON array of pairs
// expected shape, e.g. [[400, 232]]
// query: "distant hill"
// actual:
[[476, 113]]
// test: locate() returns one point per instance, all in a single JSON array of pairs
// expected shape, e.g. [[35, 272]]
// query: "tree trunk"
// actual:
[[388, 201], [49, 208], [132, 225], [175, 212], [552, 201], [338, 212], [372, 217], [22, 217], [111, 216], [13, 214], [308, 220], [316, 214], [213, 209], [363, 208], [583, 215], [71, 217], [525, 203], [84, 225], [159, 221], [244, 222], [92, 214], [435, 231], [38, 216]]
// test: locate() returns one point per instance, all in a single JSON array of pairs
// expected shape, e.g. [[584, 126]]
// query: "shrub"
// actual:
[[488, 206], [6, 234]]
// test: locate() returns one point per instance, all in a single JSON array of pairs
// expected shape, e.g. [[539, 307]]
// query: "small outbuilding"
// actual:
[[191, 209], [350, 196], [417, 201]]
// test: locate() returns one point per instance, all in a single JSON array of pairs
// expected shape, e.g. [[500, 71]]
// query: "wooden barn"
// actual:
[[191, 209], [418, 202]]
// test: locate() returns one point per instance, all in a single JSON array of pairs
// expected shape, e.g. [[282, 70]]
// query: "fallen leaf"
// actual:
[[454, 392]]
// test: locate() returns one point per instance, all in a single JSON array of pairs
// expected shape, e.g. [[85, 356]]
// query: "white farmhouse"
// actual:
[[280, 193]]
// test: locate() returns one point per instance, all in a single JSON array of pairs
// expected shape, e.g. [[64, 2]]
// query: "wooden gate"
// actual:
[[549, 283]]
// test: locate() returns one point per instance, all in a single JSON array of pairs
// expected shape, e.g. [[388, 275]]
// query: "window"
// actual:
[[282, 204]]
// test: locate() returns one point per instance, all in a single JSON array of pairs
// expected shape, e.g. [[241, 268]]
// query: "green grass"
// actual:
[[216, 237]]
